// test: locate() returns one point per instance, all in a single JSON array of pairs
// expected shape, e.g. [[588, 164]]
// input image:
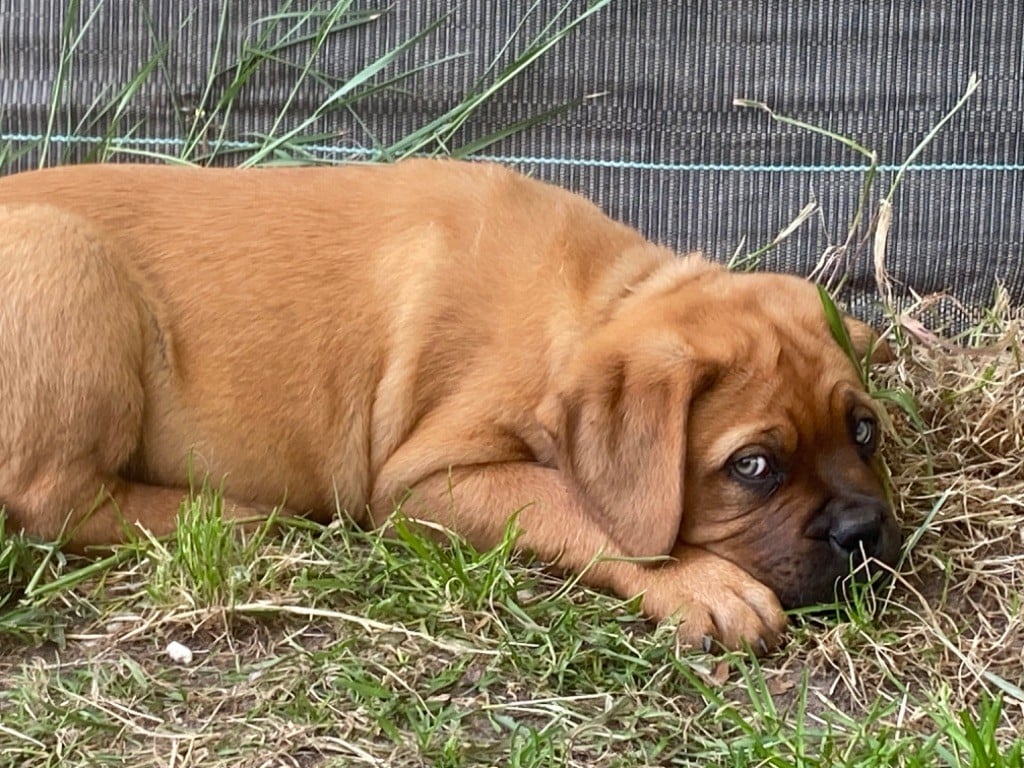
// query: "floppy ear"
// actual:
[[619, 431], [865, 341]]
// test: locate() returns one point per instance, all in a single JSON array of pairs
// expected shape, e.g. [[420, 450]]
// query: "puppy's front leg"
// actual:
[[710, 596]]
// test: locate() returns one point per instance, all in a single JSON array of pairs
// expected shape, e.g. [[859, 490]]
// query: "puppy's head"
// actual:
[[716, 410]]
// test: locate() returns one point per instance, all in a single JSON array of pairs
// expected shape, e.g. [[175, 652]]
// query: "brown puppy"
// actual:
[[454, 338]]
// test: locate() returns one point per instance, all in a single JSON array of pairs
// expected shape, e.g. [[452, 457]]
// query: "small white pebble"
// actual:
[[180, 654]]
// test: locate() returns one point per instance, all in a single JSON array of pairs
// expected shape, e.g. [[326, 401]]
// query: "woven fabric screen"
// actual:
[[659, 143]]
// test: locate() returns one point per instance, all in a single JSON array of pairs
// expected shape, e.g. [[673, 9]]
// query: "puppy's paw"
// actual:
[[732, 616], [716, 603]]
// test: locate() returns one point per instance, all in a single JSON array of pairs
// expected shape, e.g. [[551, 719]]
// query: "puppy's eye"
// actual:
[[751, 467], [864, 432]]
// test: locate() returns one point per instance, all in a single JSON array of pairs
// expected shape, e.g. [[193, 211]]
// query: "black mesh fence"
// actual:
[[648, 130]]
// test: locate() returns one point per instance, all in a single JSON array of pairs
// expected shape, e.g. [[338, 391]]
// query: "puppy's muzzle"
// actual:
[[854, 533]]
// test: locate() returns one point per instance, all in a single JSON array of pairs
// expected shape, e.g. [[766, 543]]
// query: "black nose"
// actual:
[[858, 526], [856, 532]]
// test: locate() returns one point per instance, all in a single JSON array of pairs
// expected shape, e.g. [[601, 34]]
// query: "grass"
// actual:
[[334, 646], [291, 44]]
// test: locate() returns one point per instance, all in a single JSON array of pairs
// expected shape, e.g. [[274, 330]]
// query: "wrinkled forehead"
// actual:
[[785, 351], [773, 321], [778, 415], [763, 301], [766, 340], [792, 305], [778, 372], [784, 368]]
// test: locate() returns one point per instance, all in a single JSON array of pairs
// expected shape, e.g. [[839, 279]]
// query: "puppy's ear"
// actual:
[[619, 431], [865, 341]]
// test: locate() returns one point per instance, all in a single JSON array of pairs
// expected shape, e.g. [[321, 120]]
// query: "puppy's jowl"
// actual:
[[456, 336]]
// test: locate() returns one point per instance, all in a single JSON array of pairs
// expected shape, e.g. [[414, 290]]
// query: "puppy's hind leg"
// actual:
[[72, 345]]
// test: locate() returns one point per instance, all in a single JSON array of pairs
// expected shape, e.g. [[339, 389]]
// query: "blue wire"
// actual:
[[369, 154]]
